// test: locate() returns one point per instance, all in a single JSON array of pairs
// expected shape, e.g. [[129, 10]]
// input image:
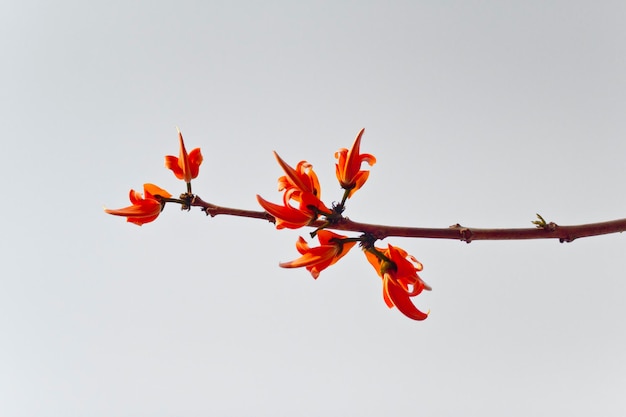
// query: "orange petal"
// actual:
[[313, 256], [292, 174], [302, 246], [171, 162], [286, 216], [149, 208], [308, 200], [374, 261], [151, 190], [358, 181], [195, 159], [139, 221], [325, 237], [353, 162], [401, 300], [183, 159]]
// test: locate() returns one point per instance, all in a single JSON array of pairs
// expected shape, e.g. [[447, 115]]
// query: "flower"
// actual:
[[348, 166], [301, 185], [331, 249], [144, 209], [290, 217], [186, 166], [286, 215], [398, 271], [300, 180]]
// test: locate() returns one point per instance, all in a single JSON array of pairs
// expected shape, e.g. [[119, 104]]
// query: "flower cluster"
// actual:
[[300, 186], [147, 208], [302, 206]]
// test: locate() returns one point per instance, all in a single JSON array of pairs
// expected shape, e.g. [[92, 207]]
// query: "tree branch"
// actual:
[[455, 232]]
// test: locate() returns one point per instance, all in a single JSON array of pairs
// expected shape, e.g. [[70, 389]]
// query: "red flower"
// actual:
[[297, 181], [186, 166], [317, 259], [348, 167], [400, 279], [286, 215], [302, 186], [144, 209]]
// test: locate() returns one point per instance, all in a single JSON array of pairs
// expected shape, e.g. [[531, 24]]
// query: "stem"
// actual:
[[455, 232], [344, 198], [171, 200]]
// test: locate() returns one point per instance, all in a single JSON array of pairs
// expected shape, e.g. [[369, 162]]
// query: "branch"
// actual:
[[457, 232]]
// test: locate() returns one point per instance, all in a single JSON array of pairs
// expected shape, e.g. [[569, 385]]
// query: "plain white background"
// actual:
[[480, 113]]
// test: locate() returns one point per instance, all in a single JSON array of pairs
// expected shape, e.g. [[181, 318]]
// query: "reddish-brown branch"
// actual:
[[456, 232]]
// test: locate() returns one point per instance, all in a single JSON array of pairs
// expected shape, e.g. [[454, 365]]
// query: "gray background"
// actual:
[[481, 113]]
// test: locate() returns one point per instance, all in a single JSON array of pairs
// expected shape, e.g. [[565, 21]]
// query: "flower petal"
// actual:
[[314, 255], [401, 300], [286, 216], [143, 209], [183, 158], [374, 261], [151, 190], [171, 162], [293, 176], [195, 159]]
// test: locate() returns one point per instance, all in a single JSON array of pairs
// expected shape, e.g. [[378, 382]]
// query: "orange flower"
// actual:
[[144, 209], [400, 279], [348, 167], [302, 186], [300, 180], [317, 259], [290, 217], [186, 166]]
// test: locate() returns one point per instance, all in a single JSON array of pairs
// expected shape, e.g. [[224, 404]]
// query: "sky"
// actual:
[[479, 113]]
